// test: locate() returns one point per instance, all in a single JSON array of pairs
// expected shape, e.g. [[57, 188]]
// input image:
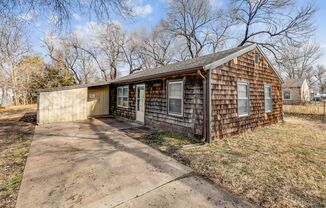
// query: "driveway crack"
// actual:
[[187, 175]]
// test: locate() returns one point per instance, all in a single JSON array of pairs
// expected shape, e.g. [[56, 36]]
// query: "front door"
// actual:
[[140, 103]]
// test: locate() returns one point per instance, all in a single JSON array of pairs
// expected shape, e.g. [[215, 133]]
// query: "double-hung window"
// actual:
[[243, 98], [175, 97], [268, 98], [123, 96]]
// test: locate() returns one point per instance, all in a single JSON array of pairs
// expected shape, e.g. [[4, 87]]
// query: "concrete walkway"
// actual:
[[96, 164]]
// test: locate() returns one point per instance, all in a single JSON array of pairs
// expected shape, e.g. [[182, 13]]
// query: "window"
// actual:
[[268, 98], [175, 97], [123, 96], [287, 95], [243, 99]]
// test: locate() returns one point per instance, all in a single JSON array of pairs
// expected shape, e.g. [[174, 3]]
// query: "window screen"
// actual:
[[243, 99], [123, 96], [268, 98], [175, 97]]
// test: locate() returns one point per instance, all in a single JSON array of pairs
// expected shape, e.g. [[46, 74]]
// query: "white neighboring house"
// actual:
[[7, 100], [296, 91]]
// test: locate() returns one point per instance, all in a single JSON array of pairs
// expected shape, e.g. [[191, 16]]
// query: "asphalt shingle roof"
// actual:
[[293, 83], [181, 66], [175, 68]]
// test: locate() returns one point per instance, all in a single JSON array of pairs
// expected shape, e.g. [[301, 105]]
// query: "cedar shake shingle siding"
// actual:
[[218, 117], [206, 104], [156, 112], [224, 114], [126, 112]]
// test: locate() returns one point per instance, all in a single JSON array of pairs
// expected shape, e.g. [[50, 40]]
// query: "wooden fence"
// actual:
[[308, 109]]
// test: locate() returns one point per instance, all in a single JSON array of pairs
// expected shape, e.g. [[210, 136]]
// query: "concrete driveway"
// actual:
[[97, 164]]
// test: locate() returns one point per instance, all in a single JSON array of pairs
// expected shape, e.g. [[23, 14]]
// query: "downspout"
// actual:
[[205, 105], [209, 108]]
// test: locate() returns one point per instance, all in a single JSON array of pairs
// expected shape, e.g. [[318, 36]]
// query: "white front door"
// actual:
[[140, 103]]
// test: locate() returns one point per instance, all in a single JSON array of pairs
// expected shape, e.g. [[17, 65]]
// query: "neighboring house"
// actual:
[[296, 91], [5, 100], [211, 97]]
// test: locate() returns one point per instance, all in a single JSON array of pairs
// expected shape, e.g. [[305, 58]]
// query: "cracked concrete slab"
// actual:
[[96, 164]]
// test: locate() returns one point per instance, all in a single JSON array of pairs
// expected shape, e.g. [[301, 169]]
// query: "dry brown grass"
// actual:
[[16, 131], [278, 166], [18, 108], [312, 109]]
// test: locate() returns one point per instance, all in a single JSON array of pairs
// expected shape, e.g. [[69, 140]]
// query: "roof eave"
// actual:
[[71, 87], [156, 76], [230, 57]]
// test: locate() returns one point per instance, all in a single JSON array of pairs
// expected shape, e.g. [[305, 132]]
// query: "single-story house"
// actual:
[[296, 91], [210, 97]]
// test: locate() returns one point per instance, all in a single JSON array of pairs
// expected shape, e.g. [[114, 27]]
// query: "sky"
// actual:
[[147, 14]]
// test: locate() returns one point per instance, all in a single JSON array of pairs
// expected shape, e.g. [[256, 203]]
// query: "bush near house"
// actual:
[[279, 166]]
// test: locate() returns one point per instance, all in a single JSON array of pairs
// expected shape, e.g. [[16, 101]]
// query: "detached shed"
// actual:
[[73, 103]]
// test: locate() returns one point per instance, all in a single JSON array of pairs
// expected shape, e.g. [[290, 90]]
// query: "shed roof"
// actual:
[[293, 83], [188, 65], [72, 87]]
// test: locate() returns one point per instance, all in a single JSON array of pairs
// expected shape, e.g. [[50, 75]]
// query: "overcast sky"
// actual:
[[147, 14]]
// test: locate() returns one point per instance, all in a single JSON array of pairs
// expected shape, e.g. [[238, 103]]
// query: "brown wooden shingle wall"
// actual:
[[128, 112], [191, 123], [224, 114]]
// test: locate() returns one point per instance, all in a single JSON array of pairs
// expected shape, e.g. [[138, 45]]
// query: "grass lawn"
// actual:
[[16, 132], [279, 166]]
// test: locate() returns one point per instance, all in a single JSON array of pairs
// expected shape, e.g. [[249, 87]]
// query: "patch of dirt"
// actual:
[[16, 132]]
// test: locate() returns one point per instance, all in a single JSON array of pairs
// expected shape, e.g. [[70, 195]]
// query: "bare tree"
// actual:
[[272, 23], [61, 51], [298, 61], [320, 76], [63, 10], [13, 46], [131, 52], [158, 48], [196, 22], [110, 42], [86, 67]]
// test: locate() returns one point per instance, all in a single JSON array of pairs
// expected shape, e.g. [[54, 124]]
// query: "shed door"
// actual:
[[98, 101], [140, 103]]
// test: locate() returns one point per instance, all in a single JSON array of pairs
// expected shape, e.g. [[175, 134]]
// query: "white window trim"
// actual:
[[122, 87], [268, 111], [168, 98], [248, 98], [290, 95]]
